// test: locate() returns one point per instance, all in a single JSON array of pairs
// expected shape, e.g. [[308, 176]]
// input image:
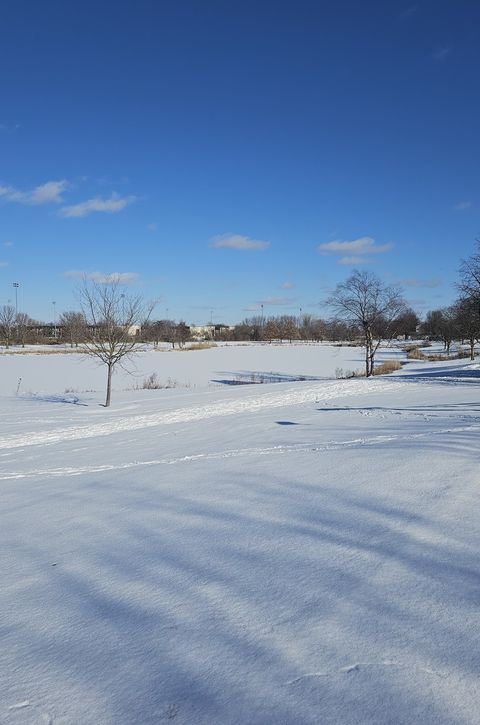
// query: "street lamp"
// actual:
[[16, 285], [122, 297]]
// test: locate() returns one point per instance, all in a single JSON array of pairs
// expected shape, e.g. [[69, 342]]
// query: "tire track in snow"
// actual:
[[318, 392], [236, 453]]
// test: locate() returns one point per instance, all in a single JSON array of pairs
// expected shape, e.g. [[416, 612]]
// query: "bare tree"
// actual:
[[7, 323], [73, 326], [113, 319], [287, 327], [442, 325], [470, 276], [22, 323], [467, 322], [181, 334], [470, 297], [363, 299], [407, 323]]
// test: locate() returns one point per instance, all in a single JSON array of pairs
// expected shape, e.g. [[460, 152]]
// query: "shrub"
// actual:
[[200, 346], [389, 366], [414, 353], [342, 374], [153, 383]]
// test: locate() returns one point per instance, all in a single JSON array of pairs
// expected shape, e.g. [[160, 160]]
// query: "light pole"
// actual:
[[54, 320], [16, 285], [122, 297]]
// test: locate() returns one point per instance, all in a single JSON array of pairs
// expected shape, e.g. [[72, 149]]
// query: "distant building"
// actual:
[[209, 331]]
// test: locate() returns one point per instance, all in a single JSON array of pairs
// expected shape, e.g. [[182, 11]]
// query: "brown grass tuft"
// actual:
[[389, 366]]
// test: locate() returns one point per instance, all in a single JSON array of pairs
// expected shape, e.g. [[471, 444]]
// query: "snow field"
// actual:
[[296, 553]]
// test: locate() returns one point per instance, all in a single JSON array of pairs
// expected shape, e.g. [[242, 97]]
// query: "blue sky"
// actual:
[[223, 155]]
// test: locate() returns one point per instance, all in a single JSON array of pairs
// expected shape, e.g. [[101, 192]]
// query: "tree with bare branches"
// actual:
[[113, 319], [7, 323], [470, 297], [467, 322], [470, 276], [364, 300], [73, 326]]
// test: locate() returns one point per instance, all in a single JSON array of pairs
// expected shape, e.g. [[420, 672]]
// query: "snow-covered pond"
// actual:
[[228, 364]]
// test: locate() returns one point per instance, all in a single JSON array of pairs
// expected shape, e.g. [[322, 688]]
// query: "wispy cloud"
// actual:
[[48, 193], [441, 54], [102, 278], [113, 205], [276, 301], [462, 205], [353, 252], [287, 285], [152, 227], [351, 261], [408, 12], [3, 264], [416, 282], [9, 127], [252, 308], [8, 243], [237, 241]]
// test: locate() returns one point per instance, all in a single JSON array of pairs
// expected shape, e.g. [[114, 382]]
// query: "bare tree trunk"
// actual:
[[109, 385], [472, 349], [369, 353]]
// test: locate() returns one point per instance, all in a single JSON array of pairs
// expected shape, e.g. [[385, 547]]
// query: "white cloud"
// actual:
[[110, 206], [287, 285], [362, 245], [8, 243], [237, 241], [102, 278], [48, 193], [152, 227], [3, 264], [462, 205], [415, 282]]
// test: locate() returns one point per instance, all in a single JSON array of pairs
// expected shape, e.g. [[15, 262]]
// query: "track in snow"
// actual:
[[311, 447], [299, 396]]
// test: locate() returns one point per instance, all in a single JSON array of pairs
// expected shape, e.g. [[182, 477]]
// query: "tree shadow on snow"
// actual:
[[214, 599]]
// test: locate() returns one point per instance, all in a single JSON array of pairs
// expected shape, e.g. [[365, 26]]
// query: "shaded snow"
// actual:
[[299, 553]]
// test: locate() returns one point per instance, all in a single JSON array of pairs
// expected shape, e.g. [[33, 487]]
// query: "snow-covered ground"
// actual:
[[225, 364], [306, 552]]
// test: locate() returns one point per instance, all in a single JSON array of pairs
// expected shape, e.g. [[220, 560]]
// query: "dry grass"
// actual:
[[153, 383], [389, 366], [414, 353], [200, 346], [342, 374], [31, 351]]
